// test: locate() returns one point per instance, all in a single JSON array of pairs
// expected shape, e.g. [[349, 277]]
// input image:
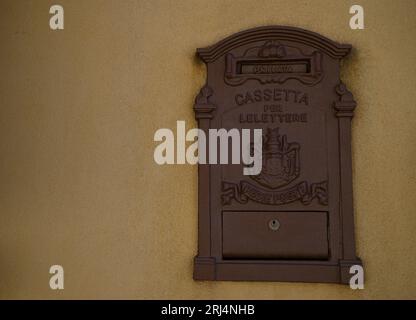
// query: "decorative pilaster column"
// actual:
[[204, 264], [345, 112]]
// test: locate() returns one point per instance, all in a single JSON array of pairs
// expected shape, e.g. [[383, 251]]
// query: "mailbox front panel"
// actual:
[[293, 221]]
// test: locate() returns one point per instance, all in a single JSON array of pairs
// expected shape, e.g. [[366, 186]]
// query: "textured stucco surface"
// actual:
[[78, 110]]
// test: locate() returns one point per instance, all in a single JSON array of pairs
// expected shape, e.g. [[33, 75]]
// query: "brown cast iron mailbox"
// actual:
[[294, 220]]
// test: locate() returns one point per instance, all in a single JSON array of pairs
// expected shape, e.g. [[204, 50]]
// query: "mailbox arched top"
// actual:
[[315, 40]]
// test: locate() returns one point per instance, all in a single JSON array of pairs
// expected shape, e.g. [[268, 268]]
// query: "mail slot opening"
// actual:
[[272, 67], [299, 235]]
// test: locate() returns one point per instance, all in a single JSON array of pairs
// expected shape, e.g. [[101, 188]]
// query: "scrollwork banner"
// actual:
[[245, 191]]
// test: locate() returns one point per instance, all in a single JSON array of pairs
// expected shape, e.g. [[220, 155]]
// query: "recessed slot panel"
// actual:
[[273, 67]]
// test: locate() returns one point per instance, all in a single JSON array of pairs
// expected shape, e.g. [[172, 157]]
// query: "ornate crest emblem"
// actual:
[[280, 160], [281, 165]]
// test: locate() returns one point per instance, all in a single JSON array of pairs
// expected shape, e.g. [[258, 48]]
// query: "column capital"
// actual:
[[346, 104], [203, 107]]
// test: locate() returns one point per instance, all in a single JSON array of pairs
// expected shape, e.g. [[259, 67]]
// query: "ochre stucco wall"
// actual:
[[78, 110]]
